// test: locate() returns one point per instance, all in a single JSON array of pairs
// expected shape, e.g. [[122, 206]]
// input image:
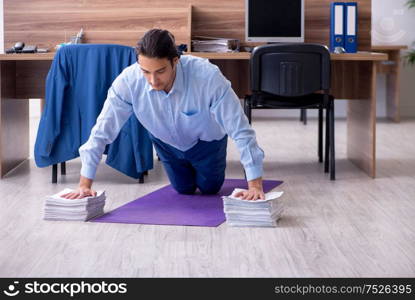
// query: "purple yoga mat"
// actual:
[[166, 207]]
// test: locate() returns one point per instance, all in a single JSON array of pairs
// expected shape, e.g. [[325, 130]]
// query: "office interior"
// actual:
[[362, 224]]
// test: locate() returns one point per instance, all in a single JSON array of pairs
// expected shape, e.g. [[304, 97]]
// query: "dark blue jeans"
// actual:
[[202, 166]]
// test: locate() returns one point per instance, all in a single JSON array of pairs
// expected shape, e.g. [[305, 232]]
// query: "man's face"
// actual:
[[159, 72]]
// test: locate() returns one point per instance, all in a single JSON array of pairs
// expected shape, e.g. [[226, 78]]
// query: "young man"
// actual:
[[189, 109]]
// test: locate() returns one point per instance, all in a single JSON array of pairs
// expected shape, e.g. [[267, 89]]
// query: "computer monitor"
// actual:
[[274, 21]]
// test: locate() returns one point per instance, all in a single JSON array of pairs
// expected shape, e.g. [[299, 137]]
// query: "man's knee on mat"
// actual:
[[211, 190], [185, 191]]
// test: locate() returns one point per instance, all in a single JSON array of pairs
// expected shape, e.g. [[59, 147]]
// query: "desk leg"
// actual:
[[42, 105], [392, 87], [361, 119], [14, 121], [237, 72]]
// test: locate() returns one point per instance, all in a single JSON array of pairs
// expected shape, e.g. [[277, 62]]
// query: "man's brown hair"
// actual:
[[158, 43]]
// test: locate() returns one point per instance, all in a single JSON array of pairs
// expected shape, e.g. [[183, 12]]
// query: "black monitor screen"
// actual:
[[274, 18]]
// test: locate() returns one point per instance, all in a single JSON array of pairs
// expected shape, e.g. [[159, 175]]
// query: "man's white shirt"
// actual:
[[200, 106]]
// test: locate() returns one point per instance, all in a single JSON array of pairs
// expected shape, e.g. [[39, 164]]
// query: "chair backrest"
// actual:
[[290, 70]]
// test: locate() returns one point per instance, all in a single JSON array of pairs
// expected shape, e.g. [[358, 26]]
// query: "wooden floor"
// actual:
[[353, 227]]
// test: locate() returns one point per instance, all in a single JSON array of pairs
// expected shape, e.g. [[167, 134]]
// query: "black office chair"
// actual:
[[294, 76], [303, 116]]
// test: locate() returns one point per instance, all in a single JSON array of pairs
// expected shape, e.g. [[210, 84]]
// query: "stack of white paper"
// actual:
[[58, 208], [261, 213], [212, 44]]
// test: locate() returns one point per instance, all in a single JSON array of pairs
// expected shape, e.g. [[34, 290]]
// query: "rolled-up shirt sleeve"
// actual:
[[115, 112], [228, 112]]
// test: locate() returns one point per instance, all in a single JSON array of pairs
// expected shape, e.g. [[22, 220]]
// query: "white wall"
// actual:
[[1, 28], [394, 23]]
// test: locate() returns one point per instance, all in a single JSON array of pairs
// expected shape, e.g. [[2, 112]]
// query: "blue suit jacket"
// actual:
[[76, 88]]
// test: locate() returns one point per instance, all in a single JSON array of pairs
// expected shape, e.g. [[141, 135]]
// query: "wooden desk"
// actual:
[[392, 69], [353, 77], [360, 56]]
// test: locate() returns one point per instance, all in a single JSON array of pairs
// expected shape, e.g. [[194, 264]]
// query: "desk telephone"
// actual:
[[20, 47]]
